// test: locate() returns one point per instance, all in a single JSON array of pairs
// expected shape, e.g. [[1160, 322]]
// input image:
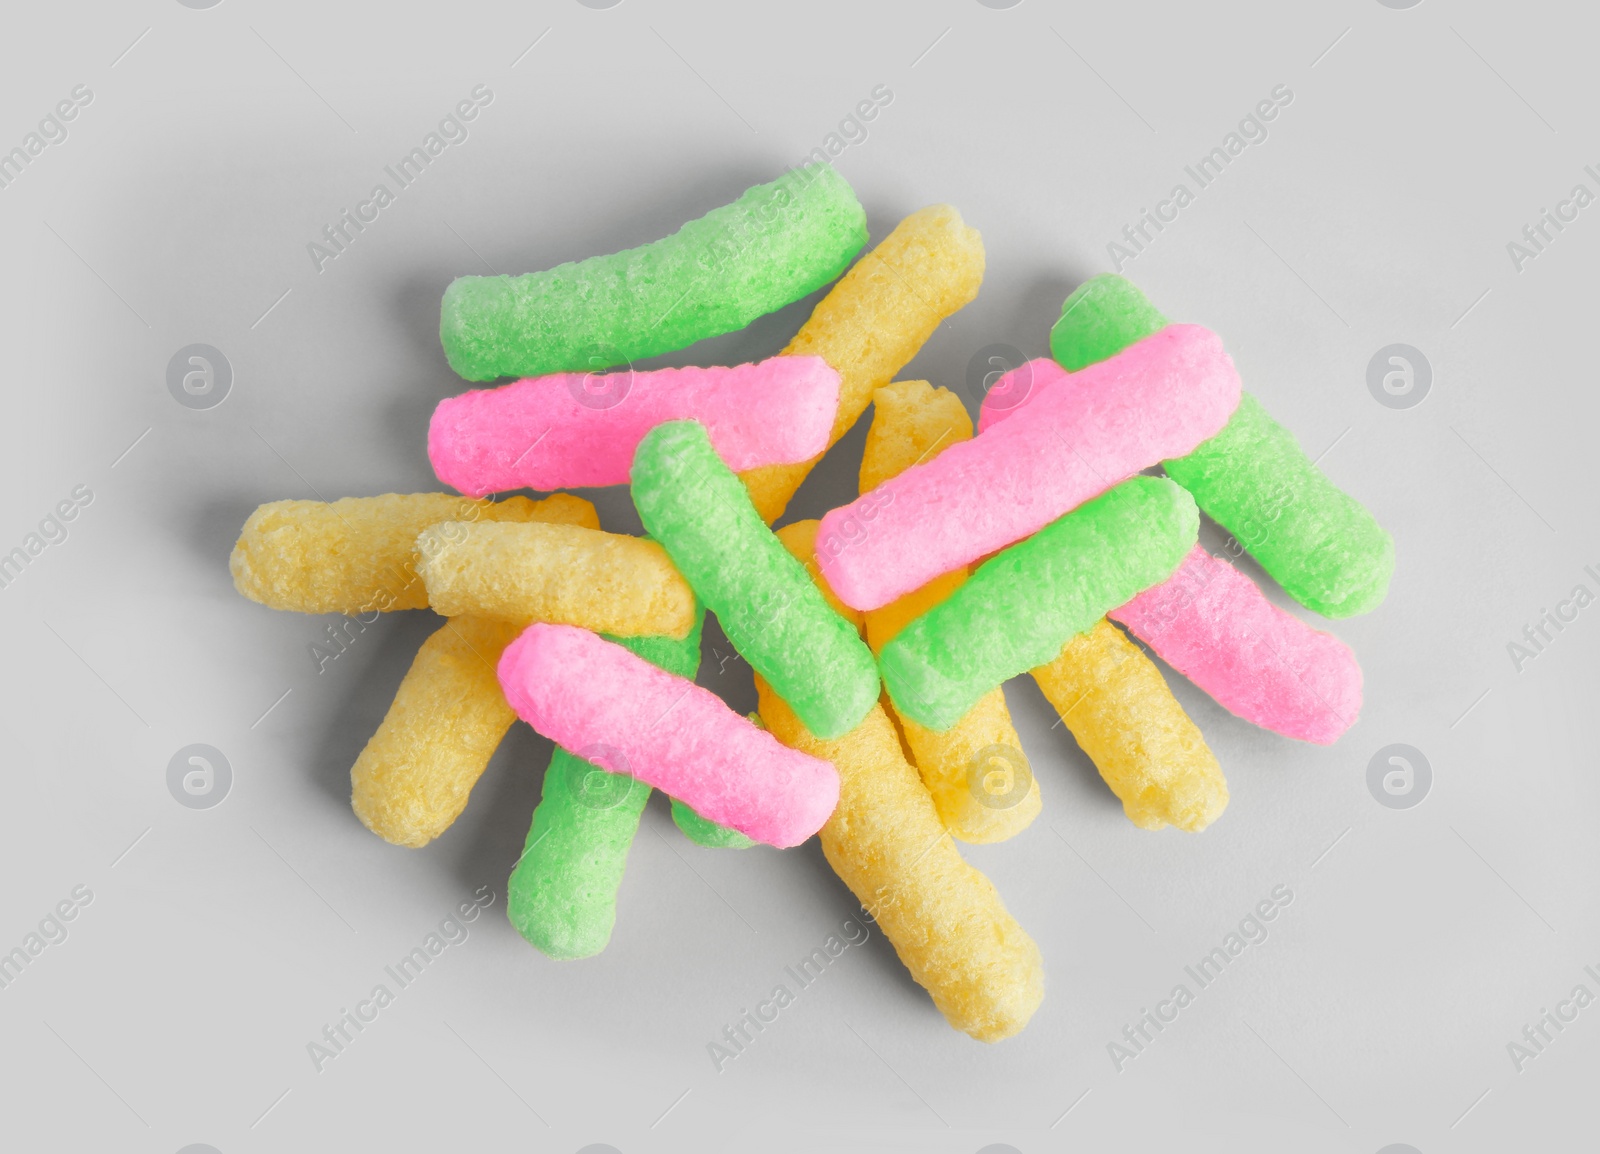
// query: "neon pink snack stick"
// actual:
[[1259, 662], [574, 429], [1210, 623], [588, 694], [1016, 388], [1156, 399]]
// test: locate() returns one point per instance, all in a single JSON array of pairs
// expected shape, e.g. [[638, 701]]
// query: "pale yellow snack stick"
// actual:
[[944, 918], [358, 554], [874, 320], [448, 717], [976, 772], [561, 574], [912, 423], [1116, 703]]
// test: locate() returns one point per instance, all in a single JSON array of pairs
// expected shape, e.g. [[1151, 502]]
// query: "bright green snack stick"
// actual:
[[562, 895], [770, 609], [1317, 541], [1023, 604], [1102, 317], [715, 275], [707, 833]]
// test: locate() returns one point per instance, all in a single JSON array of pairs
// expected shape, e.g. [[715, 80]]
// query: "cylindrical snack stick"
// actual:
[[448, 717], [1211, 624], [1156, 399], [767, 605], [1111, 697], [875, 320], [708, 833], [1318, 542], [1116, 703], [772, 246], [944, 918], [1152, 757], [562, 896], [976, 771], [1261, 663], [1100, 318], [912, 422], [1016, 388], [1023, 604], [580, 429], [1321, 544], [581, 690], [359, 554], [606, 582]]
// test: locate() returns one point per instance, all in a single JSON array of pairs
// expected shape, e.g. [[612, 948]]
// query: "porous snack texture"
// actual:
[[875, 320], [1318, 542], [800, 538], [412, 779], [1019, 607], [1016, 388], [1156, 399], [583, 691], [1212, 625], [912, 422], [1102, 316], [943, 917], [576, 429], [716, 274], [880, 636], [766, 603], [562, 896], [1117, 705], [975, 771], [607, 582], [359, 554]]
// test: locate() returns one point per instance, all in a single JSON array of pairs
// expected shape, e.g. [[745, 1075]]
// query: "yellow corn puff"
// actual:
[[358, 554], [912, 422], [944, 918], [412, 779], [1116, 703], [976, 772], [874, 321], [563, 574]]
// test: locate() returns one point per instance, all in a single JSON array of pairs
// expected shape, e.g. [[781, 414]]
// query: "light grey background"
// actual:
[[220, 941]]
